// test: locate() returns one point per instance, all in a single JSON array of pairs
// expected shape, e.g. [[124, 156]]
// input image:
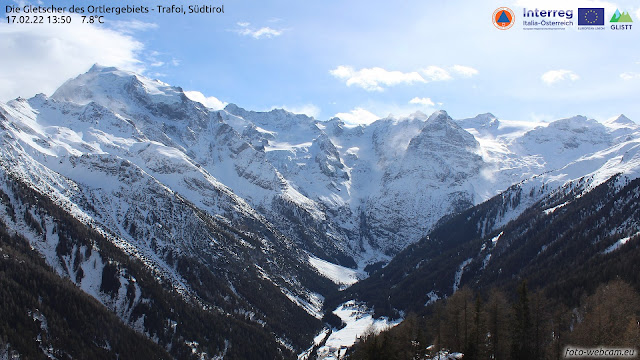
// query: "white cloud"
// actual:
[[372, 79], [40, 58], [342, 72], [376, 78], [464, 71], [357, 116], [435, 73], [266, 32], [422, 101], [208, 101], [307, 109], [553, 76], [630, 76]]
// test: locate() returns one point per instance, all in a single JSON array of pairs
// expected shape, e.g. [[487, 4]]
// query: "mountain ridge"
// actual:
[[269, 194]]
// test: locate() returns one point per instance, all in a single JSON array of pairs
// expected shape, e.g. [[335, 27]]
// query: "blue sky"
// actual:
[[358, 59]]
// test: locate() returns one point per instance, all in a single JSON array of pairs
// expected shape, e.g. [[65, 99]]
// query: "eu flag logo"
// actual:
[[591, 16]]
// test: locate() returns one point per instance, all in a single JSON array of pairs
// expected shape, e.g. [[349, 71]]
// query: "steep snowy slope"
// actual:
[[352, 196], [155, 203], [392, 180], [210, 320]]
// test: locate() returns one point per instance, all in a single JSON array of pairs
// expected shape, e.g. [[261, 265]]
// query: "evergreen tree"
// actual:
[[498, 314], [521, 347], [540, 324], [458, 319]]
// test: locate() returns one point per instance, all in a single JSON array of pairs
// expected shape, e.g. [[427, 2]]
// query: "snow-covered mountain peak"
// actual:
[[570, 132], [439, 116], [621, 128], [620, 119], [87, 87], [576, 124], [358, 192], [275, 118], [441, 129], [96, 68], [232, 108], [482, 123], [419, 115], [390, 121], [621, 122], [336, 126], [114, 88], [487, 116]]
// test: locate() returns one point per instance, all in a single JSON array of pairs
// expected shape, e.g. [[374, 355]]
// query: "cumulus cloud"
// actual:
[[373, 79], [435, 73], [554, 76], [208, 101], [464, 71], [245, 29], [630, 76], [40, 58], [377, 79], [357, 116], [422, 101]]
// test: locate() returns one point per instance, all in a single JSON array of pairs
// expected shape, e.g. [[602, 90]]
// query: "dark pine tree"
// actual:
[[521, 346]]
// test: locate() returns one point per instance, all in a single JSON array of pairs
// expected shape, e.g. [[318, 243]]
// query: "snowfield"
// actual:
[[336, 273], [359, 322]]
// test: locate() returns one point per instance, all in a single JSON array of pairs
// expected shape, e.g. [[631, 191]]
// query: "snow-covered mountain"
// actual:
[[349, 195], [283, 196]]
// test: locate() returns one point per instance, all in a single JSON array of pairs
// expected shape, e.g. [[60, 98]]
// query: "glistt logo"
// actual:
[[503, 18], [618, 18]]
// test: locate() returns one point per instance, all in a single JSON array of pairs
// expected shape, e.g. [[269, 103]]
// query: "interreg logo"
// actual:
[[621, 18], [547, 19], [503, 18]]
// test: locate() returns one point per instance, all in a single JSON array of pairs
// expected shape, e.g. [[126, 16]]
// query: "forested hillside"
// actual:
[[514, 325], [565, 272]]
